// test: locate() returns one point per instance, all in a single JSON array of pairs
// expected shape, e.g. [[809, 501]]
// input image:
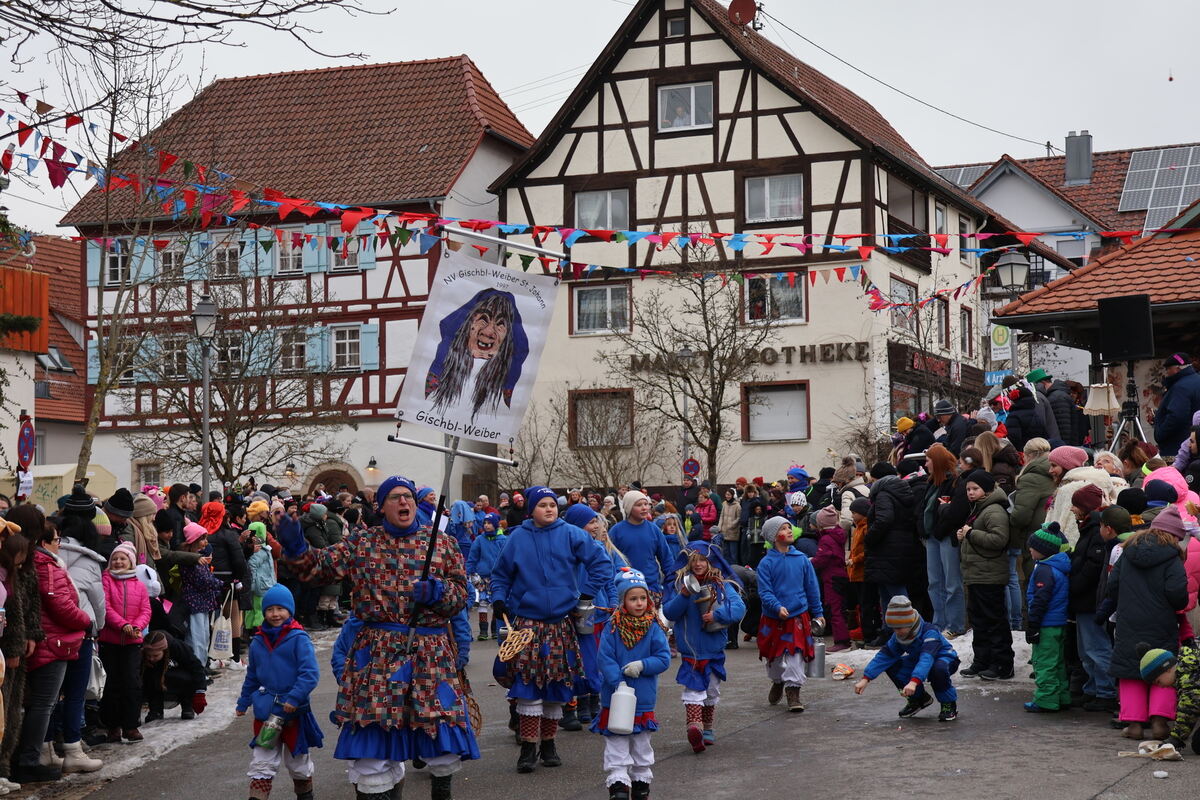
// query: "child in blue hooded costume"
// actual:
[[702, 651], [643, 543], [482, 559], [916, 655], [281, 675], [791, 596], [537, 579], [394, 705], [426, 507], [462, 525], [633, 649], [588, 687]]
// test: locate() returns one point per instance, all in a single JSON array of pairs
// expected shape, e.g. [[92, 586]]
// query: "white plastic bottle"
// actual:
[[622, 708]]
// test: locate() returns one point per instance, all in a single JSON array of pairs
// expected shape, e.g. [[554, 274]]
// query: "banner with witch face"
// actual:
[[477, 349]]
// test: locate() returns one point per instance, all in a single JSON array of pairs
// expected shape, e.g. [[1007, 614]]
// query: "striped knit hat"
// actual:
[[1154, 661], [1048, 540], [900, 613]]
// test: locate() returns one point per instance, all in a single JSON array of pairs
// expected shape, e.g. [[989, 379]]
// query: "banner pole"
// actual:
[[504, 242], [440, 449]]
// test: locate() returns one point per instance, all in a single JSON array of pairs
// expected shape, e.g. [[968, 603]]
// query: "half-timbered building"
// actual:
[[690, 121], [422, 136]]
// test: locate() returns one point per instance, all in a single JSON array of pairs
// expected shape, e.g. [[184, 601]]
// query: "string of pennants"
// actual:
[[206, 201]]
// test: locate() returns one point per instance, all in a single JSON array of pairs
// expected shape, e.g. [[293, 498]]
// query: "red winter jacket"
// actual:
[[707, 510], [125, 601], [63, 621]]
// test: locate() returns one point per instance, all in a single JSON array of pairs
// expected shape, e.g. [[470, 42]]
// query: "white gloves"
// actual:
[[633, 669]]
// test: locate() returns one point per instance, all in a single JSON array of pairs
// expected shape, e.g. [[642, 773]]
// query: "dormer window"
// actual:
[[685, 107]]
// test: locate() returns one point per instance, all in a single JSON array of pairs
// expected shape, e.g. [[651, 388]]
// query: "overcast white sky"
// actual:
[[1030, 67]]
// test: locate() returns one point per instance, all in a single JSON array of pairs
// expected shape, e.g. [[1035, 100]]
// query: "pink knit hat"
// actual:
[[1068, 457], [1169, 520], [128, 549], [827, 517], [192, 532]]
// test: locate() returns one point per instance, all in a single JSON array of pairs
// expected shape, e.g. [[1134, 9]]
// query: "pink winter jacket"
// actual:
[[125, 602], [63, 621]]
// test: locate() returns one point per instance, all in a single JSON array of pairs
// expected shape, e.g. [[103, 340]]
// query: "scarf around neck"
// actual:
[[631, 629]]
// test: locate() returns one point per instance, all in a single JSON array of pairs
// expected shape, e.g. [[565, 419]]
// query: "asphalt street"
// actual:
[[842, 745]]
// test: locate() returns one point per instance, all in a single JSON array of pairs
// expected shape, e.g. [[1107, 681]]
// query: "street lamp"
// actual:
[[289, 471], [1012, 272], [685, 356], [204, 318]]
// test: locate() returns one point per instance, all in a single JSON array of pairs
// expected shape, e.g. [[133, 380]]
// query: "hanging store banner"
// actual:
[[477, 350]]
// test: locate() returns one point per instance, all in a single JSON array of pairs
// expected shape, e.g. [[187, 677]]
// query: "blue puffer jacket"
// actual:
[[691, 638], [535, 576], [484, 552], [1175, 412], [646, 548], [918, 655], [788, 580], [655, 655], [1049, 592]]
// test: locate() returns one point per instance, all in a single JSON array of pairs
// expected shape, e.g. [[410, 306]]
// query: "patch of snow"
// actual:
[[963, 645]]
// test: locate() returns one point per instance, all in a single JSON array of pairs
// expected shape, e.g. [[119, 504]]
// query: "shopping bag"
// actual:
[[95, 687], [220, 645]]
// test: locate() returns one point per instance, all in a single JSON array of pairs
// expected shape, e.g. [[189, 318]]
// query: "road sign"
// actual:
[[26, 444], [996, 377], [691, 467], [1001, 342]]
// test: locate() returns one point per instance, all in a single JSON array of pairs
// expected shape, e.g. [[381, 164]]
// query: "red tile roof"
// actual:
[[1156, 265], [373, 134], [1099, 199]]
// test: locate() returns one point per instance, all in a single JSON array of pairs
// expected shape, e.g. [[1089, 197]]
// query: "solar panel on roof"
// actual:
[[1162, 183], [971, 174]]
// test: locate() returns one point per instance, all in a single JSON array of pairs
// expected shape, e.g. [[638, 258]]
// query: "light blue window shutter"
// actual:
[[195, 359], [316, 259], [316, 351], [368, 347], [95, 257], [366, 252], [251, 257], [149, 368], [195, 266], [141, 260], [93, 361]]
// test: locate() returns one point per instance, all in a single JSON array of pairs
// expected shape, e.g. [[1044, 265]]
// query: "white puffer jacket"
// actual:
[[86, 568], [1073, 481]]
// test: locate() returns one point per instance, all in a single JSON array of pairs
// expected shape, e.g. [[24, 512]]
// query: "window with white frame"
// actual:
[[774, 197], [149, 473], [291, 256], [939, 218], [346, 348], [601, 309], [170, 262], [601, 418], [345, 255], [904, 317], [775, 412], [604, 210], [173, 353], [54, 360], [771, 297], [906, 204], [686, 106], [676, 26], [964, 228], [228, 348], [225, 259], [293, 350], [942, 310], [966, 333], [116, 263], [39, 447]]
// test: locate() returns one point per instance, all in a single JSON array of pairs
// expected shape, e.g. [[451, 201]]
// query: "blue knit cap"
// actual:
[[280, 595], [421, 493], [492, 518], [628, 578], [390, 483], [535, 494], [579, 514]]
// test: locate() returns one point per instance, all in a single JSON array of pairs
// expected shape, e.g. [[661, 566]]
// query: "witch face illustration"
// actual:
[[480, 357]]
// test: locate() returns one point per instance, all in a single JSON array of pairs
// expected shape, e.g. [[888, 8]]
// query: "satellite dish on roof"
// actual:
[[742, 12]]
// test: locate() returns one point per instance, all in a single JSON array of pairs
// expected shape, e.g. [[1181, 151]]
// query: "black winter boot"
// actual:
[[570, 718], [303, 788], [618, 791], [361, 795], [396, 791], [527, 761], [439, 788], [641, 790], [549, 754]]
